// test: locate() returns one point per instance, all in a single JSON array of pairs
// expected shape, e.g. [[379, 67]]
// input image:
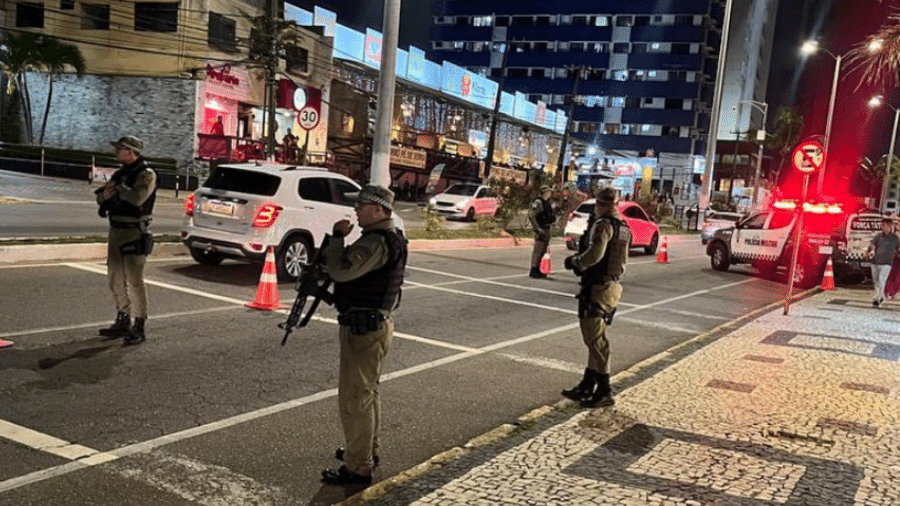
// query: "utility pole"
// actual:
[[489, 163], [380, 172], [565, 140], [709, 170], [271, 68]]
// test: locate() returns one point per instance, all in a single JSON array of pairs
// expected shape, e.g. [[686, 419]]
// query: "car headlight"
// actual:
[[432, 202], [461, 204]]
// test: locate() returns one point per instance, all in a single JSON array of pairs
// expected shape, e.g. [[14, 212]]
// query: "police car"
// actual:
[[850, 250], [765, 240]]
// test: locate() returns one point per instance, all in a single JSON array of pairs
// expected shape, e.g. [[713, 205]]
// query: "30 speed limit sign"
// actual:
[[308, 118]]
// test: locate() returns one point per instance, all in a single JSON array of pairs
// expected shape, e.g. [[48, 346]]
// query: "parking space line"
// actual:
[[489, 281], [491, 297], [43, 442]]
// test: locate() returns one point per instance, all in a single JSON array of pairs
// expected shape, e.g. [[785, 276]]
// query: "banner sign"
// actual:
[[415, 65], [467, 85], [372, 53], [326, 18], [507, 103], [408, 156]]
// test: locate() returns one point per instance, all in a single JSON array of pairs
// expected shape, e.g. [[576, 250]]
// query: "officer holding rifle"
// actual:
[[367, 276]]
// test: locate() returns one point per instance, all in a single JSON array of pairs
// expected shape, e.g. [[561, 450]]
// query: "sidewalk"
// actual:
[[774, 409]]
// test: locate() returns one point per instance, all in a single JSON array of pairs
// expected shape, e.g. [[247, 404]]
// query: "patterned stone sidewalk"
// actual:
[[796, 410]]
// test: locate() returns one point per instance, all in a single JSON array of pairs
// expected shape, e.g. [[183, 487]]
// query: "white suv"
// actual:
[[465, 200], [242, 209]]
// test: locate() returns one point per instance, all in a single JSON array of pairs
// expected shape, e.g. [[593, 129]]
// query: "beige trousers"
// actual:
[[540, 247], [593, 328], [358, 398], [126, 273]]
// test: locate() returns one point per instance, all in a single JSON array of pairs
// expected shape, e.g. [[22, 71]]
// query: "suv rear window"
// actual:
[[244, 181]]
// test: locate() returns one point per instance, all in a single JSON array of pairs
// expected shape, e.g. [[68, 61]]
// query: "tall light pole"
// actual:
[[889, 162], [764, 108]]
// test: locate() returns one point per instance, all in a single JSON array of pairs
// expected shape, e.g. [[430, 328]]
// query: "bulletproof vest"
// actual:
[[127, 175], [545, 217], [379, 289], [612, 265]]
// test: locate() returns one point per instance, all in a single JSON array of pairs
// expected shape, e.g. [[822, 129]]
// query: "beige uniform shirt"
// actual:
[[366, 254]]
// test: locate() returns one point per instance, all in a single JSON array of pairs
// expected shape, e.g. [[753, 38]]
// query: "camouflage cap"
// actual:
[[129, 142], [376, 194], [546, 188], [607, 195]]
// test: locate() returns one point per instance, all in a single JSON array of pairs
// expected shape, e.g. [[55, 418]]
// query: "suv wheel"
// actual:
[[718, 258], [294, 254], [206, 257]]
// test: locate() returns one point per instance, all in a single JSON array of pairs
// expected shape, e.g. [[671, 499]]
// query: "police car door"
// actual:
[[748, 235]]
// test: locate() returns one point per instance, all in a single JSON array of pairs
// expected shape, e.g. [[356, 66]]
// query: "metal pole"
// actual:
[[765, 110], [42, 161], [796, 252], [272, 61], [565, 140], [885, 183], [834, 84], [492, 143], [709, 170], [380, 173]]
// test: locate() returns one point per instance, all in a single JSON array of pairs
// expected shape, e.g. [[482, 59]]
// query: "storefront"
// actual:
[[225, 93]]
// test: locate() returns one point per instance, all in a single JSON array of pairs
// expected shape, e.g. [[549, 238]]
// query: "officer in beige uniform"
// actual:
[[127, 200], [600, 261], [540, 215], [367, 276]]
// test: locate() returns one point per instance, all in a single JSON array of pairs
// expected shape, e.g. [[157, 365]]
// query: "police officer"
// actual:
[[367, 276], [540, 214], [600, 261], [127, 201]]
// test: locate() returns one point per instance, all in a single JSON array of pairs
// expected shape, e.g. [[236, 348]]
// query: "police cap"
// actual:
[[607, 195]]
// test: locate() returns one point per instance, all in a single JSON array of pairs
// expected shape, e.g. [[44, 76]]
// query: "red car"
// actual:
[[644, 232]]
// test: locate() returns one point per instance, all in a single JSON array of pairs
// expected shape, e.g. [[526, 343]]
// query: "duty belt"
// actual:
[[129, 224], [362, 321]]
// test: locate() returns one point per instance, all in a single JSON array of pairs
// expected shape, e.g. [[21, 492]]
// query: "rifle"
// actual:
[[313, 282]]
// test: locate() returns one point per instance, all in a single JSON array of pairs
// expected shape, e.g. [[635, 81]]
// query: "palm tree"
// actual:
[[788, 127], [18, 56], [872, 173], [55, 57]]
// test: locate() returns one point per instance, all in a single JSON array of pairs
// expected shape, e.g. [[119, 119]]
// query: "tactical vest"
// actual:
[[612, 265], [379, 289], [545, 217], [127, 175]]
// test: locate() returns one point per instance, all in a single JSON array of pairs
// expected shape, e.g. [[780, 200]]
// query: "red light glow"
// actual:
[[266, 215]]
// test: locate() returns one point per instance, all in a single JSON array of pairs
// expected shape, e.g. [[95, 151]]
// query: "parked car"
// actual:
[[466, 200], [716, 220], [243, 209], [644, 232]]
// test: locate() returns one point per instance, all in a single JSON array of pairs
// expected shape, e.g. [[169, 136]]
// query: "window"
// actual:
[[780, 219], [95, 17], [601, 21], [67, 5], [522, 21], [641, 20], [755, 222], [617, 102], [620, 75], [316, 189], [222, 33], [612, 129], [543, 21], [341, 189], [502, 21], [624, 21], [681, 48], [30, 15], [156, 16], [297, 59], [579, 20], [620, 47], [517, 72], [674, 103], [482, 21]]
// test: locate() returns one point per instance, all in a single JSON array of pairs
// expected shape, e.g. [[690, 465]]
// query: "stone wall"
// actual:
[[88, 112]]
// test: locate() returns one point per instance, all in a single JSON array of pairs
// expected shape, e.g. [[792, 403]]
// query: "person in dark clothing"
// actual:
[[600, 262], [541, 217], [127, 201]]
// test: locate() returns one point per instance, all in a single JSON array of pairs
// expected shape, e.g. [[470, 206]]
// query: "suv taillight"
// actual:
[[189, 205], [266, 215]]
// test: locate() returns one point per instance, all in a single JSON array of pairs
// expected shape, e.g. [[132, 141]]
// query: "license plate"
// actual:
[[825, 250], [864, 264], [220, 208]]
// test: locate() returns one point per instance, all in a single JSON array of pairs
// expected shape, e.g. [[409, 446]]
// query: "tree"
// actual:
[[55, 58], [788, 127], [872, 174], [18, 56]]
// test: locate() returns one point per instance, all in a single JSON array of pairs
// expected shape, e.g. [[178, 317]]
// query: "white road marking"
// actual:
[[546, 363], [490, 281], [491, 297], [43, 442]]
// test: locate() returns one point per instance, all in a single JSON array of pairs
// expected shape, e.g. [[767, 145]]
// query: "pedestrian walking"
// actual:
[[541, 217], [127, 201], [881, 252], [367, 276], [600, 262]]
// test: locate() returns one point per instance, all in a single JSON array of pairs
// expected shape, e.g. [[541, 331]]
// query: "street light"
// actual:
[[764, 108], [876, 102]]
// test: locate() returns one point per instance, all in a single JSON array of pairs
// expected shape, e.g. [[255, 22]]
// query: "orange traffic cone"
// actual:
[[663, 256], [267, 297], [828, 277], [545, 267], [6, 344]]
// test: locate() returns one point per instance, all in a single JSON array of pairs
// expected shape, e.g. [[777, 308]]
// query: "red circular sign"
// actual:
[[808, 157]]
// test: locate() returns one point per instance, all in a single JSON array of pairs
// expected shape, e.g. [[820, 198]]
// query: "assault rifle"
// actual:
[[313, 282]]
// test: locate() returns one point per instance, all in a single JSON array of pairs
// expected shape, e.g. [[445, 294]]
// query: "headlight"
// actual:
[[461, 204], [432, 202]]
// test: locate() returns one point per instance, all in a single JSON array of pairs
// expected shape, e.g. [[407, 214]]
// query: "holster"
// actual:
[[362, 321], [590, 309], [140, 246]]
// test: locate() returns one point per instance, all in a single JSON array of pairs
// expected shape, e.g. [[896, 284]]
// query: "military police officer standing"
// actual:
[[540, 214], [127, 200], [600, 261], [367, 277]]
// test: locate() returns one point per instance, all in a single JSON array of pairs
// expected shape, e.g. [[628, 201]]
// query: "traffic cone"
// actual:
[[545, 267], [828, 277], [6, 344], [663, 256], [267, 297]]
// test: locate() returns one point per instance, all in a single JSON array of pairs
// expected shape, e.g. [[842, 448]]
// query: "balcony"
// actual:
[[233, 149], [558, 59], [668, 34], [663, 61]]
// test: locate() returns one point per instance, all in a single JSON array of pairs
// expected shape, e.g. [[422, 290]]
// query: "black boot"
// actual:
[[602, 396], [120, 328], [137, 333], [536, 273], [583, 389]]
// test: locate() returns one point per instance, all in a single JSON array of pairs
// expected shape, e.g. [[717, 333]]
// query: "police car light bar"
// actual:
[[809, 207]]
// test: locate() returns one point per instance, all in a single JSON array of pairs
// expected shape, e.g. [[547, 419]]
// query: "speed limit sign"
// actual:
[[308, 118]]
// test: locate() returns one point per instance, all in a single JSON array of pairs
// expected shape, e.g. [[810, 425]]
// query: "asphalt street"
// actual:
[[211, 397]]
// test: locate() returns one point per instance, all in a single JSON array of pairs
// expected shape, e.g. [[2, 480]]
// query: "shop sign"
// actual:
[[299, 97], [510, 174], [408, 157], [227, 81]]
